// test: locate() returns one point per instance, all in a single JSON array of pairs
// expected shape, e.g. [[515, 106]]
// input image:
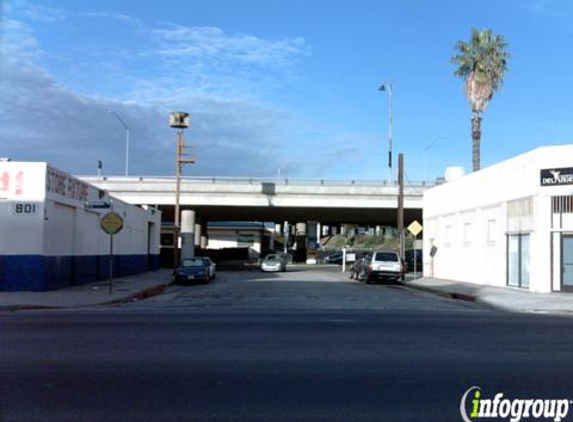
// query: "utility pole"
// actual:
[[400, 222], [387, 86], [180, 121]]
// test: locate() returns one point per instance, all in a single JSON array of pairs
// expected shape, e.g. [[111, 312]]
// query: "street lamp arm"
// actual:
[[120, 120], [118, 117], [431, 144]]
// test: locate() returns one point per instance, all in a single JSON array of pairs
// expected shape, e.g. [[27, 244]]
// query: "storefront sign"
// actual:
[[60, 183], [557, 177]]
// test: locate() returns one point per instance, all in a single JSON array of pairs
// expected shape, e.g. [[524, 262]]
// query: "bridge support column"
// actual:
[[197, 238], [286, 237], [311, 236], [300, 242], [187, 234]]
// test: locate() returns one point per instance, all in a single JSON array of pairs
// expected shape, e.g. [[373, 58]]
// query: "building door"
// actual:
[[518, 260], [567, 262]]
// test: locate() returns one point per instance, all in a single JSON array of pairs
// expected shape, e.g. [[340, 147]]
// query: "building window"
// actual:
[[520, 215], [562, 204], [448, 236], [467, 233], [518, 260], [491, 232]]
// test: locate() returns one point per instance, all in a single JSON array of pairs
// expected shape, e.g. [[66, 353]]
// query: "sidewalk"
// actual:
[[138, 286], [503, 298]]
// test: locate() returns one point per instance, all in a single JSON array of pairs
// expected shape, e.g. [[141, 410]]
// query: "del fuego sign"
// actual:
[[557, 177]]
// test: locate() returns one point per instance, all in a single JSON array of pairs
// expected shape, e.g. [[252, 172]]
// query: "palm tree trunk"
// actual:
[[476, 139]]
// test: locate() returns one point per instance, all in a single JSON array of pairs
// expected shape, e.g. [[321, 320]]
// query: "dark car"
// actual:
[[335, 258], [191, 270]]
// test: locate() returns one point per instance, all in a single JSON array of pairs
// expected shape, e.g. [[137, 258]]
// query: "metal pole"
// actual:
[[177, 196], [400, 222], [286, 230], [389, 84], [120, 120], [110, 264], [415, 255], [127, 151]]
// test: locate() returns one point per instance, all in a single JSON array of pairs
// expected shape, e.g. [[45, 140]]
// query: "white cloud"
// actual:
[[211, 42], [113, 16], [42, 120], [34, 12], [224, 83], [17, 42]]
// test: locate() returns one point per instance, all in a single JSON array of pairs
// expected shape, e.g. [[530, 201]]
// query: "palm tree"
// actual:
[[482, 63]]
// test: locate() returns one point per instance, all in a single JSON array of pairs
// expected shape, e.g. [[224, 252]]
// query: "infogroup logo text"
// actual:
[[473, 407]]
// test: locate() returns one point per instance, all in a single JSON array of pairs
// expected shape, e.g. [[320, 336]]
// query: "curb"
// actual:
[[448, 295], [134, 297], [143, 294]]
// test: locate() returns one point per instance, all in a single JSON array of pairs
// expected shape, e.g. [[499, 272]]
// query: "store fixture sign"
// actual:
[[557, 177]]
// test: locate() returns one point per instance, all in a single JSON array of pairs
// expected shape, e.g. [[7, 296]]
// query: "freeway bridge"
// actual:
[[273, 200]]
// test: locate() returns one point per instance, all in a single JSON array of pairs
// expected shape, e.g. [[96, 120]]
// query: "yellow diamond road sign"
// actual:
[[111, 223], [415, 228]]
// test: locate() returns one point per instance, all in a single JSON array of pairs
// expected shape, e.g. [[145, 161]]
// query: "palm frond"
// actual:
[[482, 62]]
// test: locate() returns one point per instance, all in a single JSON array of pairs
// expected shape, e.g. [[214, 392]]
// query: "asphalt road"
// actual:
[[163, 361], [300, 288]]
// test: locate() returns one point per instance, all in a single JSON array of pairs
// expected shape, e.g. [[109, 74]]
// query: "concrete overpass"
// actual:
[[249, 199]]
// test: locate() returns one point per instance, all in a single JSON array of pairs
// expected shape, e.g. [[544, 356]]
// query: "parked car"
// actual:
[[379, 265], [274, 262], [335, 258], [409, 258], [193, 269], [212, 266]]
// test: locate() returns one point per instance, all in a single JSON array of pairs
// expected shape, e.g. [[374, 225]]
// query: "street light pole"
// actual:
[[120, 120], [387, 86], [178, 120]]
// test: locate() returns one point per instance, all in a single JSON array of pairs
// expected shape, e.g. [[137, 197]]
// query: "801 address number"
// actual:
[[25, 208]]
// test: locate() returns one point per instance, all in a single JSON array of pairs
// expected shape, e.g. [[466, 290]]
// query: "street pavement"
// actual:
[[298, 346], [301, 287]]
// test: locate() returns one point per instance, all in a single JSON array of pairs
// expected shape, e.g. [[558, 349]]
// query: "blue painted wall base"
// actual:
[[40, 273]]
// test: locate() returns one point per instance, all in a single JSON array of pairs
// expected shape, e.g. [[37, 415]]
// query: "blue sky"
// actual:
[[275, 84]]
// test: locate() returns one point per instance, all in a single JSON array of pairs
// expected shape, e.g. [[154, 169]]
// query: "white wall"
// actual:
[[468, 219], [21, 208], [219, 238], [58, 223]]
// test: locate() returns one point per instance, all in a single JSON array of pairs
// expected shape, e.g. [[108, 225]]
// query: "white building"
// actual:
[[48, 239], [249, 235], [510, 224]]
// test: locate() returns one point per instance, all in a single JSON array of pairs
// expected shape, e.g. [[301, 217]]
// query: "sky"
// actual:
[[275, 87]]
